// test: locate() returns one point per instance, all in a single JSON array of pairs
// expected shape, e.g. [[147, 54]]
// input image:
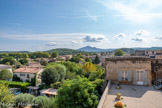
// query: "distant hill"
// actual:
[[65, 51], [127, 50], [94, 49], [14, 51]]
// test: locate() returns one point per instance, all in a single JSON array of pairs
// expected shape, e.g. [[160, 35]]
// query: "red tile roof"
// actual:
[[27, 70]]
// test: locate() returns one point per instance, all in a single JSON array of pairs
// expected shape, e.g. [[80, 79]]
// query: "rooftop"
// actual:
[[2, 66], [27, 70], [121, 58]]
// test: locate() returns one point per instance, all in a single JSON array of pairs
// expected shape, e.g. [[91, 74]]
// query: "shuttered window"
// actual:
[[124, 75]]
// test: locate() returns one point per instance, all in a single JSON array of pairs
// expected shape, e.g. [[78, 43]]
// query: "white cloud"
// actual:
[[158, 38], [51, 44], [138, 39], [119, 36], [89, 38], [142, 32], [138, 11]]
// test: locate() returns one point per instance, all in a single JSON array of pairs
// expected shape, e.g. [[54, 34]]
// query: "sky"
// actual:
[[40, 25]]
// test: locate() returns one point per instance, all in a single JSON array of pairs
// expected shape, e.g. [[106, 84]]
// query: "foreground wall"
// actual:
[[129, 70]]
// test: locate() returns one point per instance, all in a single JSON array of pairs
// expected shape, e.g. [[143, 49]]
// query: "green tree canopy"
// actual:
[[5, 75], [54, 54], [119, 52], [75, 59], [8, 60], [53, 74], [77, 93], [23, 61], [6, 96], [97, 60], [87, 59]]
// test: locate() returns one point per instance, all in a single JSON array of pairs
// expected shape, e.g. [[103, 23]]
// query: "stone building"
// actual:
[[152, 53], [129, 70], [156, 65]]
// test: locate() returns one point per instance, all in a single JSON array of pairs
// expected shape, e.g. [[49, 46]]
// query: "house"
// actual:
[[5, 67], [129, 70], [152, 53], [68, 57], [156, 65], [26, 73], [50, 92]]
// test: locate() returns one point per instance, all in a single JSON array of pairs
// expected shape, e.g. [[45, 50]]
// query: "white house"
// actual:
[[5, 67], [26, 73]]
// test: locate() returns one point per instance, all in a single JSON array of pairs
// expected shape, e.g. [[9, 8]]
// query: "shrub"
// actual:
[[43, 102], [119, 104], [5, 75], [23, 99], [6, 97], [14, 84], [118, 95], [56, 85], [16, 78]]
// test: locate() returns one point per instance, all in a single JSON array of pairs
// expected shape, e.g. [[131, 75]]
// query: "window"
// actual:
[[124, 75], [22, 74], [139, 76], [27, 75]]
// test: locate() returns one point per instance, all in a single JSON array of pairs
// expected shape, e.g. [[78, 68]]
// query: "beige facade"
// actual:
[[129, 70]]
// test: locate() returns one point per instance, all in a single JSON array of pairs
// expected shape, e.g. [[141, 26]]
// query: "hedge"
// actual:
[[14, 84]]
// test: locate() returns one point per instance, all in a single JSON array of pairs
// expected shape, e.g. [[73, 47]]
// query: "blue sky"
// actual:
[[38, 25]]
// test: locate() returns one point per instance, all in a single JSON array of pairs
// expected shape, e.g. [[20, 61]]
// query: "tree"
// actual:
[[75, 59], [53, 74], [43, 62], [88, 67], [77, 93], [6, 97], [54, 54], [73, 67], [119, 52], [9, 60], [23, 100], [5, 75], [97, 60], [23, 61], [87, 59]]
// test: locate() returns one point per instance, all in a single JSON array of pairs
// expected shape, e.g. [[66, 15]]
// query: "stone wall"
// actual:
[[129, 64], [104, 95]]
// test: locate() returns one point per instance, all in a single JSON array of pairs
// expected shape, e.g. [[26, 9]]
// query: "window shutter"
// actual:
[[129, 75], [145, 80], [119, 75], [134, 78]]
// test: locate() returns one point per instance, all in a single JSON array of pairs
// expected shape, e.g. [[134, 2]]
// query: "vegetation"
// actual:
[[79, 93], [5, 75], [65, 51], [8, 61], [22, 100], [56, 85], [44, 102], [39, 55], [53, 74], [119, 104], [119, 52], [97, 60], [6, 97], [75, 59], [87, 68], [54, 54], [87, 59], [14, 84], [23, 61]]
